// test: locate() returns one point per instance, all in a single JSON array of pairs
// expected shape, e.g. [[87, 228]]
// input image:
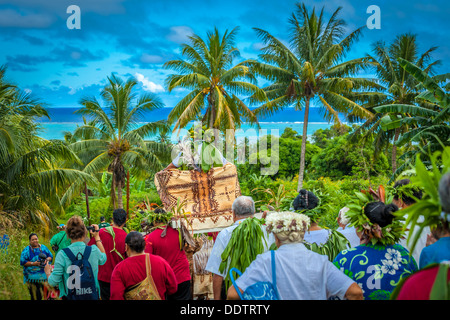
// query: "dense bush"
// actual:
[[100, 206], [341, 158], [335, 169]]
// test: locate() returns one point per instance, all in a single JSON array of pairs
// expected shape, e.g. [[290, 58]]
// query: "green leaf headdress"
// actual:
[[372, 232]]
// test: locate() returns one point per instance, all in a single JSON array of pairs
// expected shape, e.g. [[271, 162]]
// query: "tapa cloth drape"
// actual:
[[209, 195]]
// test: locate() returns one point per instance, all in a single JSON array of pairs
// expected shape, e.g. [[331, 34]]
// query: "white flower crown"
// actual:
[[287, 221], [342, 213]]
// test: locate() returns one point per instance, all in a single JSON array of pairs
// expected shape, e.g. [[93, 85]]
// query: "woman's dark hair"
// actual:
[[305, 200], [380, 213], [119, 216], [32, 234], [135, 240]]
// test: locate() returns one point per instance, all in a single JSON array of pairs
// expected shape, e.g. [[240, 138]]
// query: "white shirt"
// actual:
[[350, 234], [301, 274], [221, 243], [317, 236], [421, 242]]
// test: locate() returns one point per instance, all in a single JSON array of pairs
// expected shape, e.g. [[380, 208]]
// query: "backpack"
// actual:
[[262, 290], [81, 283]]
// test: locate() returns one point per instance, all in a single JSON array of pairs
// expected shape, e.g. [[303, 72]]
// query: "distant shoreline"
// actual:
[[55, 130], [64, 120]]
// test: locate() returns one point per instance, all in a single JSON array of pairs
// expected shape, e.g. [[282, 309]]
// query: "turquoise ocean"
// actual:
[[66, 120]]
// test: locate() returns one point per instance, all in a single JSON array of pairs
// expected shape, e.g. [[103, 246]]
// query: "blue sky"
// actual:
[[134, 38]]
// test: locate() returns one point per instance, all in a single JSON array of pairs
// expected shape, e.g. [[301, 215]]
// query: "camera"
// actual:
[[91, 228], [42, 259]]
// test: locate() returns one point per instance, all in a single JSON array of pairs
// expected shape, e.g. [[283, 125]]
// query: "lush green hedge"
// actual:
[[333, 194], [100, 206]]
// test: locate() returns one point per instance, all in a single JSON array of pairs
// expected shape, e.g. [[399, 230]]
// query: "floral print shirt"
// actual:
[[377, 269]]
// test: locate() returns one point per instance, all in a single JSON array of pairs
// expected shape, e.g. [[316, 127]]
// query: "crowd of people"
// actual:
[[130, 266]]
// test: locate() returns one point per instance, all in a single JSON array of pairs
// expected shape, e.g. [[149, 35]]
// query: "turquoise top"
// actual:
[[61, 240], [59, 275]]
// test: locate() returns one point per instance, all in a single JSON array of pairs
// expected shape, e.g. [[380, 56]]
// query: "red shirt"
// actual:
[[168, 247], [112, 258], [418, 286], [132, 270]]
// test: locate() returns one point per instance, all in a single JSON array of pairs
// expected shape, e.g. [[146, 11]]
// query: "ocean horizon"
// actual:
[[66, 120]]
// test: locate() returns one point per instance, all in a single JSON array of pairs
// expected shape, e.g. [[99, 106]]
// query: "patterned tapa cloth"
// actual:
[[209, 196]]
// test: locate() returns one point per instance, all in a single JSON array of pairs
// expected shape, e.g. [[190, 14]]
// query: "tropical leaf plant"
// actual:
[[400, 88], [278, 200], [430, 124], [32, 175], [429, 207]]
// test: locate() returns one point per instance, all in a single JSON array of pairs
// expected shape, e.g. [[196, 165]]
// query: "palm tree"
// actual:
[[31, 179], [429, 116], [400, 88], [207, 71], [113, 137], [310, 69]]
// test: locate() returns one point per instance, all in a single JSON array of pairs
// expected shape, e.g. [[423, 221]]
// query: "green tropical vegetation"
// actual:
[[398, 127], [311, 70], [214, 83], [399, 87], [113, 141]]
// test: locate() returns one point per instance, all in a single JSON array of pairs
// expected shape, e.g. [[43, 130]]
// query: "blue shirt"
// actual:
[[59, 275], [435, 253], [301, 274], [33, 273], [377, 269]]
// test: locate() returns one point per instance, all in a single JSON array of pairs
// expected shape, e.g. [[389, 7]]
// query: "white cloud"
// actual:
[[150, 58], [72, 91], [179, 34], [147, 84]]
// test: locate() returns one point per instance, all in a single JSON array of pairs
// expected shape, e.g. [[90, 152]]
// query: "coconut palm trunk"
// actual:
[[113, 192], [394, 151], [128, 192], [303, 151], [119, 195], [87, 203]]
